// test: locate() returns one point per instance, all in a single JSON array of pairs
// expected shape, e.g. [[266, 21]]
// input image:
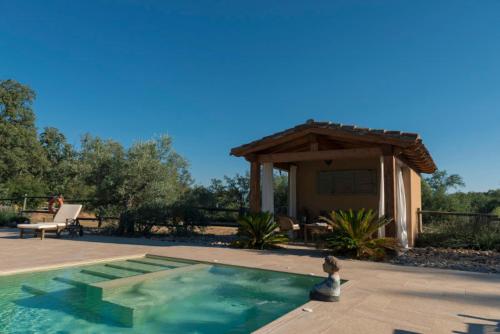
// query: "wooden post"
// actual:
[[419, 216], [255, 187], [25, 202], [390, 193]]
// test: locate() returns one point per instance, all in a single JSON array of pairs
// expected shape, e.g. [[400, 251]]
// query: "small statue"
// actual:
[[329, 289]]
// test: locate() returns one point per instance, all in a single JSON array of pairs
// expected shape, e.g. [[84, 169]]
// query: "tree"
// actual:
[[281, 193], [230, 192], [154, 172], [101, 168], [62, 171], [21, 155], [435, 191]]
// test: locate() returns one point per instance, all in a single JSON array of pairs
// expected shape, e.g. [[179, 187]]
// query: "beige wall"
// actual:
[[309, 198], [415, 204], [307, 194]]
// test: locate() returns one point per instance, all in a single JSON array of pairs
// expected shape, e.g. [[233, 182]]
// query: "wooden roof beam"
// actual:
[[355, 153]]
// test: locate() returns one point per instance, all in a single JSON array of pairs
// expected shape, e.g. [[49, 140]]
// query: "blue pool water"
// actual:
[[183, 297]]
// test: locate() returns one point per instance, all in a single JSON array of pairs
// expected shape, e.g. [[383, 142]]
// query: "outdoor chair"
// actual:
[[65, 218], [288, 226]]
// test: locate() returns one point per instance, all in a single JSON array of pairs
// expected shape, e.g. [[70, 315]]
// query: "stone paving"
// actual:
[[379, 297]]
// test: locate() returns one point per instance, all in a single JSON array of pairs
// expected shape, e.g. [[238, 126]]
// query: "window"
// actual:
[[344, 182]]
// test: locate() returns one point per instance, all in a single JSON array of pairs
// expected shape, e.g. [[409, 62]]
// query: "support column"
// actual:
[[390, 193], [381, 197], [292, 191], [267, 187], [254, 186]]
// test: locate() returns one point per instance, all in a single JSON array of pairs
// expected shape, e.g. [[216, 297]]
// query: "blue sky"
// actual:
[[216, 74]]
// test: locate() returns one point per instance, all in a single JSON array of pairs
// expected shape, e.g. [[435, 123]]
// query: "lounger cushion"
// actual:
[[41, 226]]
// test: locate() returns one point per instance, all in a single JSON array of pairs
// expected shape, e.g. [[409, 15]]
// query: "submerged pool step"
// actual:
[[32, 290], [137, 270], [156, 264], [72, 282], [107, 288], [100, 274], [164, 259]]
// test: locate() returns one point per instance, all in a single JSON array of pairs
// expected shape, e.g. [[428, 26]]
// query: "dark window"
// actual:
[[344, 182]]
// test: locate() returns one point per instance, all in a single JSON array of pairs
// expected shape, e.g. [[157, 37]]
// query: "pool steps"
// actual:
[[137, 270], [151, 263], [99, 274], [94, 289]]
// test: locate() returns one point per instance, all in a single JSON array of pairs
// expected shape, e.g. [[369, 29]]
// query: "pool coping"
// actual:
[[68, 264], [289, 316]]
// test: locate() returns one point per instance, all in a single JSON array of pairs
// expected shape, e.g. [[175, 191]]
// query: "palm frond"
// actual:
[[355, 231]]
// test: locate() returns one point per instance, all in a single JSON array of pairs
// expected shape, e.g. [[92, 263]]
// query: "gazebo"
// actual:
[[334, 166]]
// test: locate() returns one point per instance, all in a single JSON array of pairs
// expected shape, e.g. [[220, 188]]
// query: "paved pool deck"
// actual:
[[379, 297]]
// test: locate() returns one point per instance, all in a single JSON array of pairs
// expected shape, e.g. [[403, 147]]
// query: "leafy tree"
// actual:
[[101, 167], [21, 155], [154, 172], [435, 191], [62, 173], [230, 192], [281, 193]]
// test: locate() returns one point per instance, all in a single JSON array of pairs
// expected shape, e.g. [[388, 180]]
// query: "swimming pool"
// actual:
[[152, 294]]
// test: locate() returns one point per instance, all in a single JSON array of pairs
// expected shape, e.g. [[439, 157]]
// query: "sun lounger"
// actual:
[[65, 217]]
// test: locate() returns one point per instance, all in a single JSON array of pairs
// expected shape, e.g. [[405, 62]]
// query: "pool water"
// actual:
[[148, 295]]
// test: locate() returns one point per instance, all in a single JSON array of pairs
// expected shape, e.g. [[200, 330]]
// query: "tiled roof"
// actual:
[[411, 144]]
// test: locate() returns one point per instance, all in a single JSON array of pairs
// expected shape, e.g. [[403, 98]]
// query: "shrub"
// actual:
[[9, 217], [184, 219], [142, 219], [353, 234], [480, 241], [258, 231], [181, 219]]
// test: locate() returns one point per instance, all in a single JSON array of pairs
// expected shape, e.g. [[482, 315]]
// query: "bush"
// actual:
[[258, 231], [353, 234], [185, 219], [181, 219], [9, 217], [479, 241], [141, 220]]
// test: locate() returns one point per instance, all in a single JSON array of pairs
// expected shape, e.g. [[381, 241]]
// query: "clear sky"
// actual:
[[217, 74]]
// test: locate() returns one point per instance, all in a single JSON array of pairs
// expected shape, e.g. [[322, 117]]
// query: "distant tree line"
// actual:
[[440, 193], [117, 179]]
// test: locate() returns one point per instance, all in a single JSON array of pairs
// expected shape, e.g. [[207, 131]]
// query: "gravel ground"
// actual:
[[457, 259]]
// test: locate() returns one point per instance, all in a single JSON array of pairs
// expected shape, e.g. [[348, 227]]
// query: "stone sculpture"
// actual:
[[329, 289]]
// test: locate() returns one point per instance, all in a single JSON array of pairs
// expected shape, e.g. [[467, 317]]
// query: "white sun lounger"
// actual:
[[66, 215]]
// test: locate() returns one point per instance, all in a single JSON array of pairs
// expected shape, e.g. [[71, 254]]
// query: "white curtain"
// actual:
[[401, 210], [381, 198], [267, 188]]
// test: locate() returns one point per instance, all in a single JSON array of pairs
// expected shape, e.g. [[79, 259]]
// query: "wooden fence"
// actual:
[[215, 216], [463, 229]]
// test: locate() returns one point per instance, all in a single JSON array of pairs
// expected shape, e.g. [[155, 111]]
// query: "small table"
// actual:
[[314, 228]]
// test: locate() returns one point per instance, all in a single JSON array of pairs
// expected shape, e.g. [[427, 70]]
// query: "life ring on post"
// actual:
[[51, 203], [59, 200]]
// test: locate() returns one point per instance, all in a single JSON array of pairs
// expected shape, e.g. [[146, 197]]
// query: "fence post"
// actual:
[[25, 202], [420, 225]]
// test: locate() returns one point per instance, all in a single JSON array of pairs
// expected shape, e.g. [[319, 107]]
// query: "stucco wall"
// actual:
[[415, 205], [308, 196]]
